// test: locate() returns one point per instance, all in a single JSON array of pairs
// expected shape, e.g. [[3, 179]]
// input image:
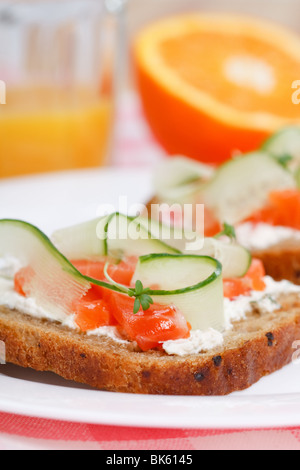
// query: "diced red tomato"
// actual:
[[253, 280], [158, 324], [282, 209]]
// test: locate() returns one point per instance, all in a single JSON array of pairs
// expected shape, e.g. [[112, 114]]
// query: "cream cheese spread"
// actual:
[[267, 300], [9, 266], [199, 341], [12, 300], [262, 236]]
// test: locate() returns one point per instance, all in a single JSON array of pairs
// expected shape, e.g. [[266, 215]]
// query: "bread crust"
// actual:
[[256, 347], [281, 261]]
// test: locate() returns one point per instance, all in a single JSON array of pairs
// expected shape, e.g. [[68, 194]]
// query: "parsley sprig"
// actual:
[[228, 231], [142, 298]]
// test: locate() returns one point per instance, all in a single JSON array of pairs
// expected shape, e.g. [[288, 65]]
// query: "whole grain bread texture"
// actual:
[[281, 261], [260, 344]]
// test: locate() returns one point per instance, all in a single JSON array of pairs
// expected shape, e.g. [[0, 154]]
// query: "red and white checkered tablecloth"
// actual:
[[136, 147], [23, 433]]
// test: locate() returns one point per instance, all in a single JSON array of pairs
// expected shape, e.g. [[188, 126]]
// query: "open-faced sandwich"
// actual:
[[257, 193], [111, 304]]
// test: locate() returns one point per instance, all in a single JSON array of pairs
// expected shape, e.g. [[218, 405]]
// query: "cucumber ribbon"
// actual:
[[192, 283]]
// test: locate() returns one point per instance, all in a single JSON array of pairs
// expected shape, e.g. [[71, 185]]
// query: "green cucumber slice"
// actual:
[[241, 186], [127, 237], [118, 235], [176, 237], [191, 283], [178, 179], [235, 259], [55, 278], [114, 235], [285, 144], [81, 241]]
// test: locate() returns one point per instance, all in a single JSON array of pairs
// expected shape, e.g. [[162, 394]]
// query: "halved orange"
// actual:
[[212, 85]]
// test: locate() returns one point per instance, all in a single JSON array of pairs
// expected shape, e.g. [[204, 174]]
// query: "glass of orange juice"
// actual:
[[56, 83]]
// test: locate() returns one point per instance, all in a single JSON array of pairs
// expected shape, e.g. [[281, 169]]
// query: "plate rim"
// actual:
[[262, 411]]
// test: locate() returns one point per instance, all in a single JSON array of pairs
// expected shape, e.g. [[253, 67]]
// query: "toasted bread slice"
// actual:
[[256, 346]]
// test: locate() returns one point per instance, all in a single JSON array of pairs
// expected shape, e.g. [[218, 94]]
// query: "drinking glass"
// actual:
[[57, 83]]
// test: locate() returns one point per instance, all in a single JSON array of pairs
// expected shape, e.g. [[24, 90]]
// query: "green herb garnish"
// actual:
[[142, 297], [228, 231], [284, 160]]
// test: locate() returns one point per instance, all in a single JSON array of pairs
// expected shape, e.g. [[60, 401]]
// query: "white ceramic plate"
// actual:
[[62, 199]]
